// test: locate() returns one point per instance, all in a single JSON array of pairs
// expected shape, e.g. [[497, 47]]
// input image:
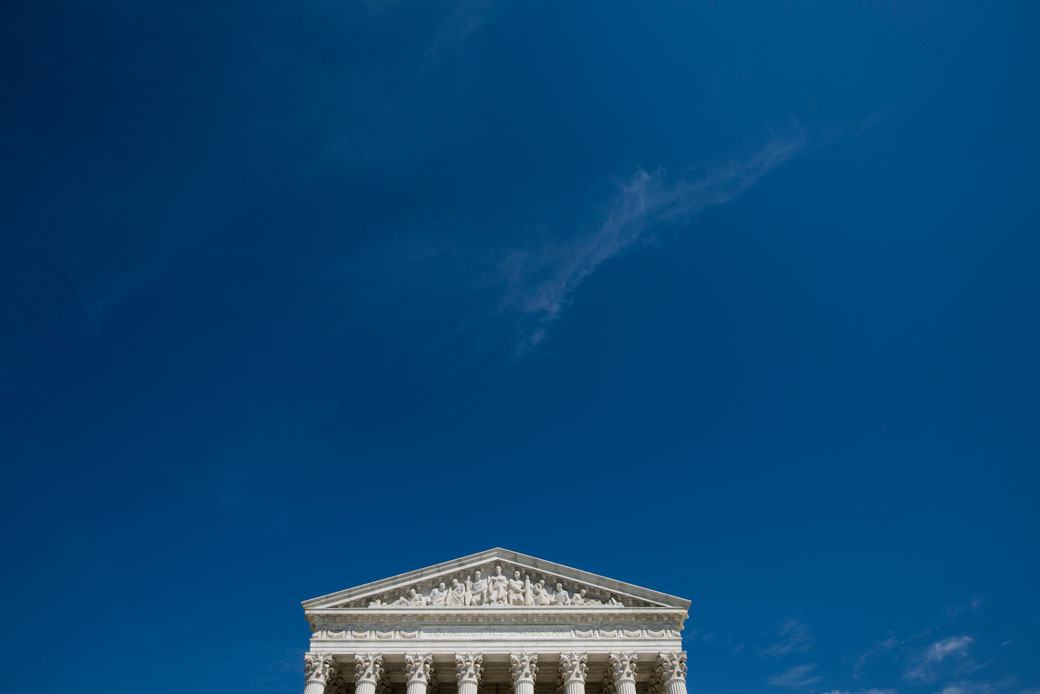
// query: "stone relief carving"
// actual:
[[368, 668], [317, 666], [621, 666], [488, 632], [418, 667], [497, 589], [524, 667], [670, 666], [469, 667], [573, 666]]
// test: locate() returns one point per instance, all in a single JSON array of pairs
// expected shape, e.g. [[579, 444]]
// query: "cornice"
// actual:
[[554, 571]]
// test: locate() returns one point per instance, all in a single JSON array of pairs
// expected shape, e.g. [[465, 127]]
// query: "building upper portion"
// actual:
[[495, 601]]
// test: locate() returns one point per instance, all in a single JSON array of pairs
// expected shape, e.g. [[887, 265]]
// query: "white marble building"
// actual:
[[493, 621]]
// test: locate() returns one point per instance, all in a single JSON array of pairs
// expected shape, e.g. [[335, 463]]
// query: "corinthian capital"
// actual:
[[418, 667], [671, 666], [524, 667], [621, 667], [573, 666], [368, 668], [317, 666], [469, 667]]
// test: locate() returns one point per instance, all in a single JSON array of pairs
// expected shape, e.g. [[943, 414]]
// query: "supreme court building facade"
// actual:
[[496, 622]]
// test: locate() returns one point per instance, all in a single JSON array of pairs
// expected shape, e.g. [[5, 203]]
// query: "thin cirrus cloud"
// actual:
[[795, 637], [540, 284], [941, 657], [796, 677]]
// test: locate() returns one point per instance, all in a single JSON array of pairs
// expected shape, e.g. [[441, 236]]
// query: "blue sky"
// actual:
[[734, 300]]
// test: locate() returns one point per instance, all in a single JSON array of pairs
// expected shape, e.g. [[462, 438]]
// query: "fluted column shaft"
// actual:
[[524, 668], [316, 670], [418, 670], [622, 668], [671, 670], [469, 668], [368, 671], [573, 668]]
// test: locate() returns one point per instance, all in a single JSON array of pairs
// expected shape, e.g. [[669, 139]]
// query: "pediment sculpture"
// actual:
[[497, 589]]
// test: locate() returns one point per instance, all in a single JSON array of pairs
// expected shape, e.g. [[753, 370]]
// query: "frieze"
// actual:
[[497, 584], [488, 633]]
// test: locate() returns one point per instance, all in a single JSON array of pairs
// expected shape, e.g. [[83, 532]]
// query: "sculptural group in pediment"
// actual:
[[498, 589]]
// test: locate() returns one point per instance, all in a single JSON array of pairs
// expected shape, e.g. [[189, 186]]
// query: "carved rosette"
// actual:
[[368, 668], [524, 667], [573, 667], [469, 667], [418, 667], [621, 667], [317, 666]]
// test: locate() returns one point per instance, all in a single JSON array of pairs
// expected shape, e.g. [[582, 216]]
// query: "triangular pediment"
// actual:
[[507, 580]]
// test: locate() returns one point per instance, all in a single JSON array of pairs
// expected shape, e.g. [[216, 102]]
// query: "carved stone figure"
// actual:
[[498, 587], [539, 594], [457, 594], [477, 589], [438, 595], [515, 595]]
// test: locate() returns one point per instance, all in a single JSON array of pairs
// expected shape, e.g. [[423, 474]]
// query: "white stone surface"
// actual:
[[496, 617]]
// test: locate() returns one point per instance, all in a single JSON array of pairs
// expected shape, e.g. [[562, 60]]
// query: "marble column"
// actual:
[[368, 672], [671, 672], [469, 667], [418, 671], [621, 669], [524, 668], [316, 670], [573, 668]]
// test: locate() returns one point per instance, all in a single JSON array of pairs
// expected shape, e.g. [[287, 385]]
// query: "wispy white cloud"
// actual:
[[796, 677], [1001, 686], [889, 644], [794, 637], [540, 283], [950, 654], [941, 650]]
